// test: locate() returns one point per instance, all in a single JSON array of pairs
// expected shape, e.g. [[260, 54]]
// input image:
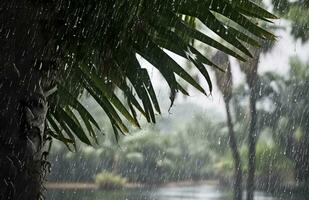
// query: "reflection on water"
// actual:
[[203, 192], [194, 192]]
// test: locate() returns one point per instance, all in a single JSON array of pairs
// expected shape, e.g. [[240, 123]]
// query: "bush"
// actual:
[[109, 181]]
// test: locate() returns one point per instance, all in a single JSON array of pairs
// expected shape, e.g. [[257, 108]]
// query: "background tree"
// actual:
[[250, 69], [289, 132], [283, 122], [297, 12], [53, 51], [225, 84], [289, 118]]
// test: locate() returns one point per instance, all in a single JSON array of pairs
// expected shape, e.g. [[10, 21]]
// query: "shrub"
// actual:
[[109, 181]]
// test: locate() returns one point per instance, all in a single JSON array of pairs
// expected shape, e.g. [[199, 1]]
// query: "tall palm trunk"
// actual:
[[23, 105], [23, 111], [224, 82], [250, 68], [252, 139], [236, 155]]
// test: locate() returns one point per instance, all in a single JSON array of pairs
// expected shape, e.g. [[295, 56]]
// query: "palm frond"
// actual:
[[102, 40]]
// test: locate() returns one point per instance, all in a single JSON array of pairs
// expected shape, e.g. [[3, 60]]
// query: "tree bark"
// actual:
[[23, 110], [252, 138], [251, 68], [23, 106], [236, 156]]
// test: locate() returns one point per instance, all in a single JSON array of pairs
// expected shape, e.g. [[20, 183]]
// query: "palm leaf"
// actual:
[[103, 46]]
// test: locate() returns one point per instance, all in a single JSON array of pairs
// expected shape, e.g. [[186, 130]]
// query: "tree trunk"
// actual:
[[236, 156], [23, 105], [23, 111], [250, 68], [252, 139]]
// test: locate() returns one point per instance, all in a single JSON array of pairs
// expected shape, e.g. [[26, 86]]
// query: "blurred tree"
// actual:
[[52, 51], [147, 157], [289, 117], [286, 113], [225, 84], [298, 13], [250, 69]]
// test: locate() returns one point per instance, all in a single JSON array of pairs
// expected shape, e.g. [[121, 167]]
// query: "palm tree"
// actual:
[[54, 51], [250, 69], [290, 118], [224, 82]]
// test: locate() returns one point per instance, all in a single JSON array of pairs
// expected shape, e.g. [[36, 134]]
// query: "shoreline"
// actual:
[[93, 186], [282, 191]]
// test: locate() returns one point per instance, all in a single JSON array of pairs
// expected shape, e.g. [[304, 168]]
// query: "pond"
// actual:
[[200, 192]]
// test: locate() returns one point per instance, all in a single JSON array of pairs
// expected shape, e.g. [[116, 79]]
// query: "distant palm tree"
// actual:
[[250, 69], [290, 117], [54, 51], [225, 84]]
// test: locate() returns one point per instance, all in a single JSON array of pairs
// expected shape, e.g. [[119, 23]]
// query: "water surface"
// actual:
[[201, 192]]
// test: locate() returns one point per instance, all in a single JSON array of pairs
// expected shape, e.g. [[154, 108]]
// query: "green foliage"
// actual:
[[270, 159], [298, 13], [283, 117], [149, 157], [290, 117], [94, 46], [272, 166], [109, 181]]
